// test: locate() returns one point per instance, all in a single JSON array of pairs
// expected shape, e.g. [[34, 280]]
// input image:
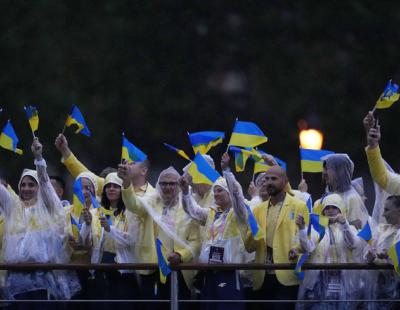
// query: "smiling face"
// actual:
[[28, 188], [221, 197], [113, 192]]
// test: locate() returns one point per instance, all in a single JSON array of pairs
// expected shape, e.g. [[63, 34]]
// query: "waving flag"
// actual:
[[78, 199], [202, 172], [180, 152], [311, 159], [247, 134], [394, 254], [203, 141], [251, 220], [33, 117], [76, 118], [162, 261], [131, 153], [319, 222], [241, 156], [389, 96], [366, 233], [300, 261], [9, 139]]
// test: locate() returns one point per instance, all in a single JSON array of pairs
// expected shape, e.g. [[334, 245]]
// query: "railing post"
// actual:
[[174, 290]]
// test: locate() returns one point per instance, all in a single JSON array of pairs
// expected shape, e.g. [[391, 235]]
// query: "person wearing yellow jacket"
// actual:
[[276, 219], [163, 217]]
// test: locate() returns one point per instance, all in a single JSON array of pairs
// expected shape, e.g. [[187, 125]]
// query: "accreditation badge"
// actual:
[[216, 255]]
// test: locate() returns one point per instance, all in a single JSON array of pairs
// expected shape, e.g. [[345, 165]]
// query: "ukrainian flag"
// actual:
[[78, 199], [131, 153], [366, 233], [76, 118], [319, 222], [162, 261], [203, 141], [76, 227], [300, 261], [241, 157], [394, 254], [279, 161], [33, 117], [9, 140], [388, 97], [311, 159], [251, 220], [180, 152], [247, 134], [202, 172]]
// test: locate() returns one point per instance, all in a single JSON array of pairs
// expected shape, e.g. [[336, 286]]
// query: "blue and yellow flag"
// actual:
[[319, 222], [95, 203], [241, 156], [247, 134], [76, 118], [78, 199], [9, 140], [180, 152], [76, 227], [394, 254], [202, 172], [311, 159], [388, 97], [366, 233], [33, 117], [162, 261], [203, 141], [251, 220], [131, 153], [300, 261]]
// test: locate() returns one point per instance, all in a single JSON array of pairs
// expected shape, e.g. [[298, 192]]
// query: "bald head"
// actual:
[[275, 180], [277, 171]]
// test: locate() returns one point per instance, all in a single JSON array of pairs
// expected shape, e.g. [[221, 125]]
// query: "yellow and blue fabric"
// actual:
[[76, 226], [180, 152], [203, 141], [278, 160], [311, 159], [202, 172], [309, 208], [254, 228], [300, 261], [319, 223], [131, 153], [95, 203], [241, 156], [389, 96], [366, 233], [78, 199], [162, 261], [76, 118], [9, 139], [33, 117], [247, 134]]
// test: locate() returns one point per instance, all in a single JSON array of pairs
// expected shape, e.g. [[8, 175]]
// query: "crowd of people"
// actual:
[[124, 217]]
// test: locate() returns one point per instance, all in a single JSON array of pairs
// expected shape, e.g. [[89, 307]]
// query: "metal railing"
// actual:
[[174, 301]]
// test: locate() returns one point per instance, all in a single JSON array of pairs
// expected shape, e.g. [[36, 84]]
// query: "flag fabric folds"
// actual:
[[78, 200], [394, 254], [251, 220], [203, 141], [76, 118], [366, 233], [247, 134], [76, 227], [9, 139], [319, 223], [241, 157], [311, 159], [202, 172], [180, 152], [389, 96], [300, 261], [33, 117], [131, 153], [162, 261]]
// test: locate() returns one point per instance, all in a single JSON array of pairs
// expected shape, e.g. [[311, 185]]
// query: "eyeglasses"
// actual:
[[168, 183]]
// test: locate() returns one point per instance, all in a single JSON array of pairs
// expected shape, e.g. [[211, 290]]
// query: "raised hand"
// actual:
[[252, 190], [301, 224], [184, 185], [374, 136], [87, 216], [369, 121], [269, 160], [104, 224], [303, 186], [124, 174], [37, 149], [225, 161], [61, 144]]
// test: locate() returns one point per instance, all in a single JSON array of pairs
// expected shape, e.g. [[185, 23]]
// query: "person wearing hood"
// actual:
[[335, 246], [223, 242], [337, 175], [163, 218], [34, 232], [112, 236]]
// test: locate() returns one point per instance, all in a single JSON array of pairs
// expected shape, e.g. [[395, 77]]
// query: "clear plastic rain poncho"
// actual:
[[335, 247], [35, 233], [342, 169]]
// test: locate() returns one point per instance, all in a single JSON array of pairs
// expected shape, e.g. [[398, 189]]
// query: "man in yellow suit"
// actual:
[[276, 218]]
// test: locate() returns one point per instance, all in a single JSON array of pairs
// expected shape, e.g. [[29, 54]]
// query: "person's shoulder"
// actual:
[[260, 207], [292, 200]]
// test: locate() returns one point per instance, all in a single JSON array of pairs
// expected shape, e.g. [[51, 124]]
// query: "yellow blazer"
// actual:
[[284, 239]]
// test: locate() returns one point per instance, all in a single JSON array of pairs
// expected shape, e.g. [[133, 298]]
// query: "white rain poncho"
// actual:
[[35, 233], [335, 247], [343, 168]]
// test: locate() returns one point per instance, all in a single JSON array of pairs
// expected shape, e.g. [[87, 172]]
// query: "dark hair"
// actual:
[[59, 180], [106, 171], [395, 200], [105, 202]]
